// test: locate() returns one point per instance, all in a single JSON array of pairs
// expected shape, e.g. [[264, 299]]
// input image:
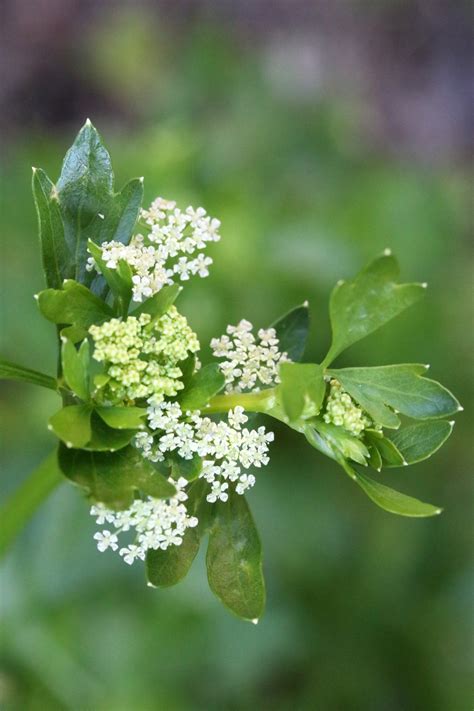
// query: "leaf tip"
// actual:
[[33, 169], [69, 445], [88, 122], [255, 621], [306, 304], [36, 296], [387, 252], [438, 512], [424, 285], [150, 585], [460, 408], [141, 179], [452, 423], [99, 214]]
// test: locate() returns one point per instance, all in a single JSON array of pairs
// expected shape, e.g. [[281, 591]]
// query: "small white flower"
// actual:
[[106, 539]]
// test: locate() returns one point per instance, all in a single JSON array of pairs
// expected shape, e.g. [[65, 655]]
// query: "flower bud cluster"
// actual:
[[141, 358], [248, 362], [227, 448], [162, 255], [157, 523], [342, 411]]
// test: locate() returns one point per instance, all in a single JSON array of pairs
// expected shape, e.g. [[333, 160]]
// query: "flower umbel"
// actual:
[[249, 362], [141, 357], [342, 411], [163, 254]]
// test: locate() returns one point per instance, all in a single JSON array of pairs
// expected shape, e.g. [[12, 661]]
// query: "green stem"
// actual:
[[26, 499]]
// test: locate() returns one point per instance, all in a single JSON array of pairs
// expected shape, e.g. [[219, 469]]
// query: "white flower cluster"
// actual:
[[248, 361], [162, 255], [157, 523], [342, 411], [227, 448], [142, 358]]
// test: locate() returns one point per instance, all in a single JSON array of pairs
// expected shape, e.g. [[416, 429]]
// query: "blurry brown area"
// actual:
[[407, 64]]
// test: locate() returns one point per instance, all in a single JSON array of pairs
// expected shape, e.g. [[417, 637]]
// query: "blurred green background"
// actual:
[[319, 136]]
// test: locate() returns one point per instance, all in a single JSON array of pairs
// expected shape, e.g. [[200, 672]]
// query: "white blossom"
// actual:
[[172, 234], [248, 362]]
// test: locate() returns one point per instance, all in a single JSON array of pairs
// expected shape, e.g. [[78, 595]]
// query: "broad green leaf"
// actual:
[[389, 453], [122, 418], [119, 280], [187, 468], [12, 371], [301, 389], [421, 439], [105, 438], [341, 441], [113, 477], [75, 365], [24, 501], [89, 207], [292, 332], [72, 425], [159, 303], [391, 500], [167, 567], [73, 304], [75, 334], [55, 255], [187, 367], [364, 304], [204, 384], [380, 390], [375, 459], [234, 559]]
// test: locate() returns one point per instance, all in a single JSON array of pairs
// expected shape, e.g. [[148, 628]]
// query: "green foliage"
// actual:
[[76, 367], [361, 306], [89, 207], [72, 424], [159, 303], [73, 304], [302, 389], [166, 568], [292, 332], [420, 440], [187, 468], [121, 418], [205, 383], [113, 477], [399, 387], [234, 559], [391, 500], [56, 258], [12, 371]]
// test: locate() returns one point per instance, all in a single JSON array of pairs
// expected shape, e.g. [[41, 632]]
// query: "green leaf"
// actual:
[[234, 559], [361, 306], [89, 207], [203, 385], [76, 367], [292, 332], [73, 304], [113, 477], [24, 501], [339, 440], [105, 438], [12, 371], [389, 453], [119, 280], [187, 367], [72, 425], [187, 468], [400, 387], [122, 417], [54, 251], [301, 389], [159, 303], [167, 567], [375, 459], [76, 334], [391, 500], [420, 440]]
